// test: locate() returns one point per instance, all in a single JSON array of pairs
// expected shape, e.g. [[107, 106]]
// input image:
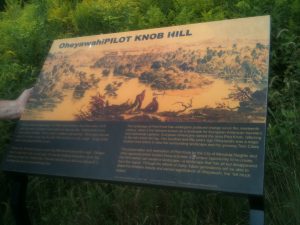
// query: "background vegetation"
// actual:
[[26, 32]]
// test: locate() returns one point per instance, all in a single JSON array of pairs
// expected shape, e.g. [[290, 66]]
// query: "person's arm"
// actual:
[[13, 109]]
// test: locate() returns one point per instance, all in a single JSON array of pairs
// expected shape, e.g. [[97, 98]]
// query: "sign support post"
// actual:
[[257, 212], [18, 198]]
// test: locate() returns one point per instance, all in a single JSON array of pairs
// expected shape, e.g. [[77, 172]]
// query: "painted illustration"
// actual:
[[218, 73]]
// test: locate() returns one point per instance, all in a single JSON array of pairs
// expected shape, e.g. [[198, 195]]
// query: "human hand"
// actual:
[[22, 100], [13, 109]]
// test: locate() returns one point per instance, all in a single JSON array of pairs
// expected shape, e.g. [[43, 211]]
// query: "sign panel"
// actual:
[[181, 106]]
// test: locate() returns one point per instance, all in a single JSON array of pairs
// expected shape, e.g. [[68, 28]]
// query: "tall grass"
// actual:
[[26, 33]]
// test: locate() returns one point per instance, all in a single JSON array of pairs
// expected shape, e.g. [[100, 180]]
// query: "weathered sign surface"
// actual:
[[181, 106]]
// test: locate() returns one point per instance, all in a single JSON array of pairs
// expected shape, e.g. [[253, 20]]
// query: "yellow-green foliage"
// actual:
[[27, 29]]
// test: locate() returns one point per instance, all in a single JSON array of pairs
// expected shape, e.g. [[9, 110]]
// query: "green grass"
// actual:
[[26, 34]]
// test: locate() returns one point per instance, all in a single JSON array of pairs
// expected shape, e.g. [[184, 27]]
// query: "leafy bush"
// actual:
[[26, 33]]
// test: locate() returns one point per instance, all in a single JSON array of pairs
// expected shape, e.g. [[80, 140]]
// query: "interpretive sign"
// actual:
[[182, 106]]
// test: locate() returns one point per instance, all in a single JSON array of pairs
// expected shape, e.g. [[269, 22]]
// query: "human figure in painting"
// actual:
[[13, 109], [136, 106], [152, 107]]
